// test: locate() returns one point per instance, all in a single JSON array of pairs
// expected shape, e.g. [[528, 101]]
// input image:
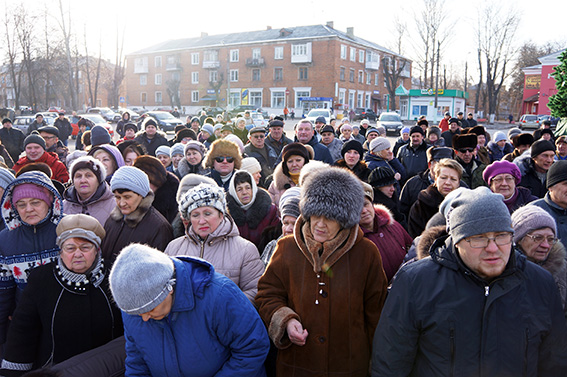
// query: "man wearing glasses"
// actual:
[[465, 151], [475, 307], [52, 142], [258, 149]]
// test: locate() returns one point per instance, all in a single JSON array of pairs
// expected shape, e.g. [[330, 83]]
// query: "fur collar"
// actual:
[[427, 238], [255, 214], [383, 216], [555, 262], [133, 219], [282, 181], [185, 168]]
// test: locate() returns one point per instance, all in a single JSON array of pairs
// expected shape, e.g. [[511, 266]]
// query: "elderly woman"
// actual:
[[384, 184], [66, 308], [286, 174], [89, 193], [380, 154], [110, 157], [224, 158], [194, 153], [352, 153], [213, 236], [448, 175], [130, 150], [503, 177], [251, 207], [323, 291], [535, 236]]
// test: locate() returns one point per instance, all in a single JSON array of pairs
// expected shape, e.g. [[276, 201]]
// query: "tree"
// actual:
[[392, 68], [13, 52], [558, 102], [70, 75]]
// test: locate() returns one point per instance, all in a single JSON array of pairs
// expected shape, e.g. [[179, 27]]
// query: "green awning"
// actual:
[[401, 91]]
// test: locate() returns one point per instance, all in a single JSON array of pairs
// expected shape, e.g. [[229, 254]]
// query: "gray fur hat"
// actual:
[[334, 193]]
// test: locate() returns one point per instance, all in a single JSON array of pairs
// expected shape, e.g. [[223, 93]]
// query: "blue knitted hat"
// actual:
[[130, 178]]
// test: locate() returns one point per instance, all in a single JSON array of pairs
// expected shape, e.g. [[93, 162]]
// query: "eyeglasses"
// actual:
[[500, 180], [465, 150], [258, 136], [49, 137], [84, 248], [480, 242], [228, 159], [538, 238]]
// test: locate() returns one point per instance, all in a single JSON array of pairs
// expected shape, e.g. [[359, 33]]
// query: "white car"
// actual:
[[258, 119], [316, 113], [391, 122]]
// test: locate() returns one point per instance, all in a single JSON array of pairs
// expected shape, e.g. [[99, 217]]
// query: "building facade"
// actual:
[[299, 68]]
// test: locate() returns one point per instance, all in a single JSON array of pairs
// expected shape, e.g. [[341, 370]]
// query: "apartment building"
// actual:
[[299, 67]]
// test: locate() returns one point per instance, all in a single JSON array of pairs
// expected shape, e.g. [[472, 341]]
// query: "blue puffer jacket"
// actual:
[[23, 246], [212, 330]]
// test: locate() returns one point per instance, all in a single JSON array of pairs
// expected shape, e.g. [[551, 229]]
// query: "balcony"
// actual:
[[140, 69], [373, 65], [173, 66], [255, 62], [211, 64]]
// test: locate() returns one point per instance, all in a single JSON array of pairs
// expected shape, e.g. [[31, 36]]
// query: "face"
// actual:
[[225, 133], [323, 229], [130, 158], [241, 124], [454, 127], [85, 183], [34, 151], [78, 254], [416, 139], [32, 210], [128, 201], [175, 159], [503, 184], [304, 132], [373, 135], [346, 133], [193, 157], [257, 177], [367, 215], [433, 138], [106, 160], [487, 262], [562, 149], [446, 180], [481, 140], [386, 154], [205, 134], [50, 139], [351, 158], [244, 192], [288, 222], [537, 251], [546, 136], [129, 133], [276, 132], [257, 139], [388, 190], [223, 167], [466, 154], [195, 126], [39, 119], [327, 137], [205, 220], [164, 159], [501, 143], [7, 125], [558, 194], [126, 116], [161, 311], [355, 131], [294, 164], [543, 161], [151, 130]]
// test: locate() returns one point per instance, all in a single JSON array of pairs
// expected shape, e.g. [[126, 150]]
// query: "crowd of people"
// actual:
[[231, 249]]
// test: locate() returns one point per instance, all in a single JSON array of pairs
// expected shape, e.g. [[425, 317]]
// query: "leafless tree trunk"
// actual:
[[87, 69], [392, 68], [12, 51], [24, 26], [67, 41]]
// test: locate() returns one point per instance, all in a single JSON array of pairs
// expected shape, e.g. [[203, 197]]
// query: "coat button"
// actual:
[[324, 294], [322, 339]]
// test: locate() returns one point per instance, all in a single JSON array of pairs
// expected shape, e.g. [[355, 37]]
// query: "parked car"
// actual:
[[55, 109], [239, 109], [313, 114], [213, 111], [361, 113], [106, 113], [391, 122], [23, 122], [165, 120], [528, 121], [139, 110], [98, 120], [263, 112], [134, 116], [258, 119]]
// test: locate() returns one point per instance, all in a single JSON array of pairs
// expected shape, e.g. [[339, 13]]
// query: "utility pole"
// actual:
[[466, 80], [437, 81]]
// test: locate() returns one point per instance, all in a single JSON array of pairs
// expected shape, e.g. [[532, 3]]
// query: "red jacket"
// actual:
[[444, 125], [58, 169]]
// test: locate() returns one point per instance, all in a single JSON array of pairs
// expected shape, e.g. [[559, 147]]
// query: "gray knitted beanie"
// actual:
[[203, 195], [476, 212], [6, 177], [130, 178], [177, 148], [334, 193], [379, 144], [528, 218], [141, 278], [34, 138]]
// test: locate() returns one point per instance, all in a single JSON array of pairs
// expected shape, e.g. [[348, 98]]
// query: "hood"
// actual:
[[10, 214], [194, 273], [383, 216], [113, 151]]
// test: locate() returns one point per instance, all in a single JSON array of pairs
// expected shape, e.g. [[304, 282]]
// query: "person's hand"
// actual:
[[397, 176], [296, 333]]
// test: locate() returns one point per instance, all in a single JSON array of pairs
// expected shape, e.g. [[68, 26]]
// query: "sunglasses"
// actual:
[[465, 150], [220, 159]]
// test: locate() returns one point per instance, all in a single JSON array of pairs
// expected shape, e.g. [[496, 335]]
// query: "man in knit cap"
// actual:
[[474, 296], [35, 148], [413, 156], [465, 147], [534, 166], [276, 137], [454, 129]]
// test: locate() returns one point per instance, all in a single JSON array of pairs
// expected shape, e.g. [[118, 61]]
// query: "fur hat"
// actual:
[[131, 126], [557, 173], [189, 181], [203, 195], [295, 149], [222, 147], [529, 218], [423, 122], [477, 130], [334, 193], [185, 132], [382, 176], [464, 141], [311, 167], [434, 130], [522, 139], [91, 163], [80, 226], [157, 174]]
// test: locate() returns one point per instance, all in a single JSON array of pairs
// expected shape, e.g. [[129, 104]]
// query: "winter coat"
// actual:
[[414, 160], [497, 154], [391, 239], [448, 137], [231, 255], [360, 169], [335, 148], [521, 197], [321, 152], [6, 156], [444, 124], [34, 126], [411, 190], [267, 166], [399, 143], [558, 213], [512, 156], [280, 183], [58, 169], [164, 198], [427, 205], [530, 179], [252, 222], [474, 179], [24, 247], [120, 126], [441, 319], [211, 330], [151, 145], [185, 168], [144, 225], [393, 204], [217, 177], [60, 150], [13, 140], [57, 318], [64, 127], [277, 146], [337, 297], [99, 205]]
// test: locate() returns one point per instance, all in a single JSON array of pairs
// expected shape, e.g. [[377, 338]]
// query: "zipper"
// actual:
[[526, 351], [202, 249], [486, 290], [452, 339]]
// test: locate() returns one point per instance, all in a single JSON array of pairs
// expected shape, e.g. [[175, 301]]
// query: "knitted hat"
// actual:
[[150, 122], [189, 181], [382, 176], [334, 193], [223, 147], [352, 145], [522, 139], [364, 121], [6, 120], [417, 129], [499, 136], [540, 146], [157, 174], [437, 153], [208, 129], [203, 195], [501, 167], [529, 218], [99, 135], [91, 163], [513, 132], [81, 226], [141, 278], [195, 119], [251, 165], [346, 127], [370, 130], [177, 148], [434, 130], [464, 141], [404, 130], [445, 205], [30, 190], [131, 126], [130, 178], [557, 173], [34, 138], [477, 212], [368, 191], [236, 140], [289, 202], [321, 120], [295, 149], [163, 149], [50, 130], [379, 144], [196, 146], [6, 177], [71, 157]]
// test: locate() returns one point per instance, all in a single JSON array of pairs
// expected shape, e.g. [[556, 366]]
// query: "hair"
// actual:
[[242, 177], [96, 152], [122, 191], [35, 166], [448, 163], [86, 138]]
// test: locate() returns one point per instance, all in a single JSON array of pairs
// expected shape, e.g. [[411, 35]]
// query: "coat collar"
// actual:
[[134, 218]]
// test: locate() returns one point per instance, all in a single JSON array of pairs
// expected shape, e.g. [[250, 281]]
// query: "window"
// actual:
[[234, 55], [194, 77], [256, 53], [303, 73], [195, 58], [141, 65], [376, 79], [299, 94], [256, 98], [195, 96], [158, 97], [234, 75], [343, 51], [418, 110], [368, 78], [157, 61], [256, 74], [352, 54], [351, 75], [278, 74], [278, 52], [360, 77], [157, 79], [342, 96], [351, 99], [342, 74], [359, 100], [213, 76], [361, 56], [367, 100], [143, 97], [211, 56], [143, 79], [278, 99], [299, 49], [234, 99]]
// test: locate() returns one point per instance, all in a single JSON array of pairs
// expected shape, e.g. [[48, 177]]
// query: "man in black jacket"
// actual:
[[12, 138], [64, 127]]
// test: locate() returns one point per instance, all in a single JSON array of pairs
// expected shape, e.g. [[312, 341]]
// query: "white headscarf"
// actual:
[[232, 190]]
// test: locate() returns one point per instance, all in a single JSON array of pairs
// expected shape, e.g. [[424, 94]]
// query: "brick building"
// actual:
[[298, 67]]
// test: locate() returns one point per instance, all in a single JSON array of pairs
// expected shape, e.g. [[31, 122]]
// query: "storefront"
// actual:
[[422, 102], [308, 103]]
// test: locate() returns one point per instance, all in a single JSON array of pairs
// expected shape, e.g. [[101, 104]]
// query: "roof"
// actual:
[[262, 36]]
